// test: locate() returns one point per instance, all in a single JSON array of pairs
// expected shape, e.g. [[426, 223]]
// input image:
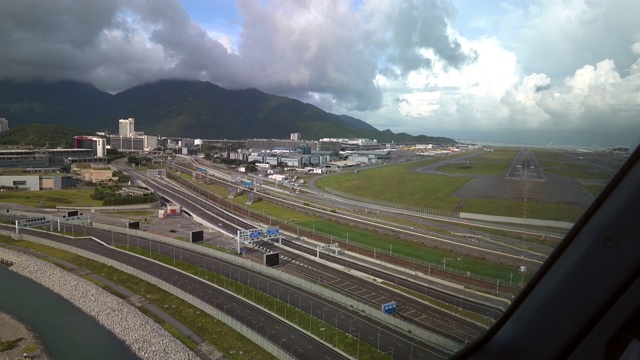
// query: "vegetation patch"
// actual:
[[111, 195], [573, 170], [50, 198], [534, 210], [398, 184], [475, 168], [9, 345]]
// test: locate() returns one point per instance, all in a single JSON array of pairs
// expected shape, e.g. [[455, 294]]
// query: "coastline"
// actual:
[[141, 334], [12, 329]]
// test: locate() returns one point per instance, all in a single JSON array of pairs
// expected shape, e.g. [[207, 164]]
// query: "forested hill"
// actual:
[[193, 109], [40, 136]]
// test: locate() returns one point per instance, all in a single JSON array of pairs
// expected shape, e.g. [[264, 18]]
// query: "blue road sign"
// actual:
[[273, 232], [389, 308]]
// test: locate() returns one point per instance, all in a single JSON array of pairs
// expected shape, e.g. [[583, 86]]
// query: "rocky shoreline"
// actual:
[[10, 330], [146, 338]]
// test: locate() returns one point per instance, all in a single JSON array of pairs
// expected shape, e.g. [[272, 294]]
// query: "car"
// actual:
[[172, 231]]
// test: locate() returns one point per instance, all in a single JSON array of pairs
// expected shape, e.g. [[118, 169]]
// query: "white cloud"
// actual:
[[544, 68]]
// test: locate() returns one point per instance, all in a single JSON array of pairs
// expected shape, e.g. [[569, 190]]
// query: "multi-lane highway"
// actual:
[[283, 334], [417, 312]]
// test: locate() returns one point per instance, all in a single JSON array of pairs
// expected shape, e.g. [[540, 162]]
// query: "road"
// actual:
[[417, 312], [281, 333]]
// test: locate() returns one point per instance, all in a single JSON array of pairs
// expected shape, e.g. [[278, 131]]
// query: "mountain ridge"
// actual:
[[197, 109]]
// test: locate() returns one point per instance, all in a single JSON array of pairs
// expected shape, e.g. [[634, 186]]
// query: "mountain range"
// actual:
[[195, 109]]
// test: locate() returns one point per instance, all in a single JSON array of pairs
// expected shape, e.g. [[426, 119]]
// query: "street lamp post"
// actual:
[[310, 315], [411, 352], [337, 332]]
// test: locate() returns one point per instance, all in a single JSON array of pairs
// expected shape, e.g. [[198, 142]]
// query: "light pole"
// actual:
[[411, 352], [310, 315], [337, 332]]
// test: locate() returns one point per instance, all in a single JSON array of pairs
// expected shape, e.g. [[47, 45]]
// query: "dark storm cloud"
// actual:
[[51, 39], [413, 26], [330, 50], [114, 44], [540, 88]]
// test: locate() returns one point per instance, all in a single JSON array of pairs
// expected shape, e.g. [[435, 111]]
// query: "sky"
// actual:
[[544, 71]]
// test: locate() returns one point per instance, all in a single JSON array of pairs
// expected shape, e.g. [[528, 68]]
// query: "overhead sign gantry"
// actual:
[[326, 246], [249, 236]]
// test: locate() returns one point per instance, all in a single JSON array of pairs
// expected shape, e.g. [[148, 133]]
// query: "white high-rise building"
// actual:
[[125, 127], [296, 136], [4, 124]]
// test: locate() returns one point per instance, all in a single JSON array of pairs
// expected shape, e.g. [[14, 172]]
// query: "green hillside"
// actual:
[[193, 109], [39, 136]]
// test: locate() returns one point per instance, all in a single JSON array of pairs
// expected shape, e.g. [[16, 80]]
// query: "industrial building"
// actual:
[[369, 157], [354, 143], [97, 144], [38, 182], [129, 140], [44, 159], [126, 127], [289, 159]]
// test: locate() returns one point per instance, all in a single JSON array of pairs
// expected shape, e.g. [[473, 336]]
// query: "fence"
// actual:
[[329, 294], [491, 221], [344, 299]]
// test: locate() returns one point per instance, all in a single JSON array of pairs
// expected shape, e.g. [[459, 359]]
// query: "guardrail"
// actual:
[[375, 313]]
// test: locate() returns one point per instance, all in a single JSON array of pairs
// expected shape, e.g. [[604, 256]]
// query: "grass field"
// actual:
[[534, 210], [573, 170], [397, 183], [494, 162], [51, 198], [475, 168]]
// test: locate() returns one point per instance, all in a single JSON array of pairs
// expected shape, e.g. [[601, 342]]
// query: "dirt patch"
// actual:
[[26, 341]]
